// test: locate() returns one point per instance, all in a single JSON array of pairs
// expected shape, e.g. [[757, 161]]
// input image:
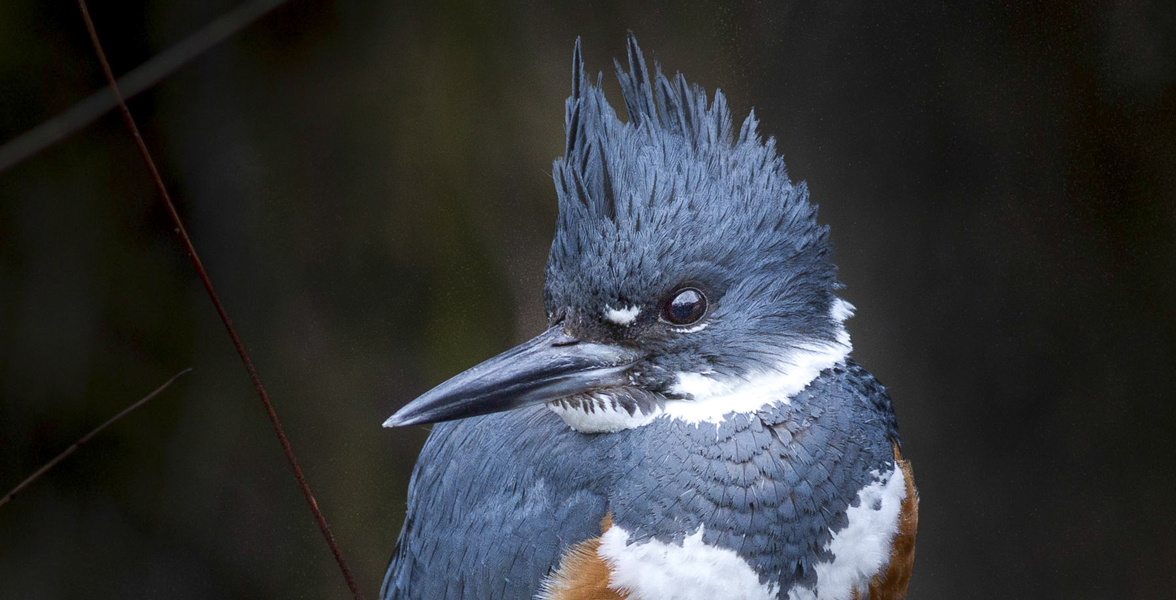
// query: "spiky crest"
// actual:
[[674, 194]]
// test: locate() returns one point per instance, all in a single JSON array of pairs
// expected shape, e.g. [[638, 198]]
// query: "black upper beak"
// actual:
[[550, 366]]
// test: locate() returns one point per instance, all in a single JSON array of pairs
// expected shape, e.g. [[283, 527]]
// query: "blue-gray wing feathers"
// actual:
[[496, 500]]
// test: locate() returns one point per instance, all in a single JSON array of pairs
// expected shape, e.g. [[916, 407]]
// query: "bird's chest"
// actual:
[[747, 507]]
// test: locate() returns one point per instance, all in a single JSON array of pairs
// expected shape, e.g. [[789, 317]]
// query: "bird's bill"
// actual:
[[550, 366]]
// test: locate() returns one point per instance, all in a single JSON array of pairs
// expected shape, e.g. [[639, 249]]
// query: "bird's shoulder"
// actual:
[[487, 514]]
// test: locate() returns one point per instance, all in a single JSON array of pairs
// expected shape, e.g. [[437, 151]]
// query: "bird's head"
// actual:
[[688, 275]]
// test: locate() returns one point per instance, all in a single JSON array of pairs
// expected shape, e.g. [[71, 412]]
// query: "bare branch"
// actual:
[[220, 309], [142, 78], [85, 438]]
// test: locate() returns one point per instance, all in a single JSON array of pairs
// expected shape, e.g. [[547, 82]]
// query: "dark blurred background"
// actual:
[[369, 185]]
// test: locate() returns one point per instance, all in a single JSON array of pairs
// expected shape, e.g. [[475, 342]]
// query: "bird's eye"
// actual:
[[686, 307]]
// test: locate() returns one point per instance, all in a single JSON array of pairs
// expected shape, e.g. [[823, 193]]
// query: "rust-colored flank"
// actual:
[[891, 583], [582, 574]]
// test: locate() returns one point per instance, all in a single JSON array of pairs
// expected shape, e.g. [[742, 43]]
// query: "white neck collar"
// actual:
[[712, 398]]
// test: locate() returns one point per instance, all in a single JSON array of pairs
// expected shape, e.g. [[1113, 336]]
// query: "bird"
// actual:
[[690, 425]]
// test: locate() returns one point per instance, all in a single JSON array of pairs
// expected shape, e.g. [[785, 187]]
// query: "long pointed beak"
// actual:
[[548, 367]]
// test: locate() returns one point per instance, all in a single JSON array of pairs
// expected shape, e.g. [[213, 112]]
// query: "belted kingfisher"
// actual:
[[691, 425]]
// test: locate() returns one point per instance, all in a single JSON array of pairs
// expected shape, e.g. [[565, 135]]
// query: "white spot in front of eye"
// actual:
[[624, 316]]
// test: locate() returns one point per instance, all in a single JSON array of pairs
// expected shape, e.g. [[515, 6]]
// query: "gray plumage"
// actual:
[[674, 196], [484, 522]]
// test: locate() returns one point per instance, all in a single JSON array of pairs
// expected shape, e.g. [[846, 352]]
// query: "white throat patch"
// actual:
[[600, 413], [712, 398]]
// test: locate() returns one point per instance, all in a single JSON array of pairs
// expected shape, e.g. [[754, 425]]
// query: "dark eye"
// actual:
[[687, 307]]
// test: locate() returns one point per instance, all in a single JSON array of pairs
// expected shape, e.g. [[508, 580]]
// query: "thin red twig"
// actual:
[[85, 438], [220, 309]]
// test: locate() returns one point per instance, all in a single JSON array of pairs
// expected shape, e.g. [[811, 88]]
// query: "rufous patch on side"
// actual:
[[582, 574], [891, 583]]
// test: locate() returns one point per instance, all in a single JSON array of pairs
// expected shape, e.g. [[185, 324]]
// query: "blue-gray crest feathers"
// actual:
[[676, 194]]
